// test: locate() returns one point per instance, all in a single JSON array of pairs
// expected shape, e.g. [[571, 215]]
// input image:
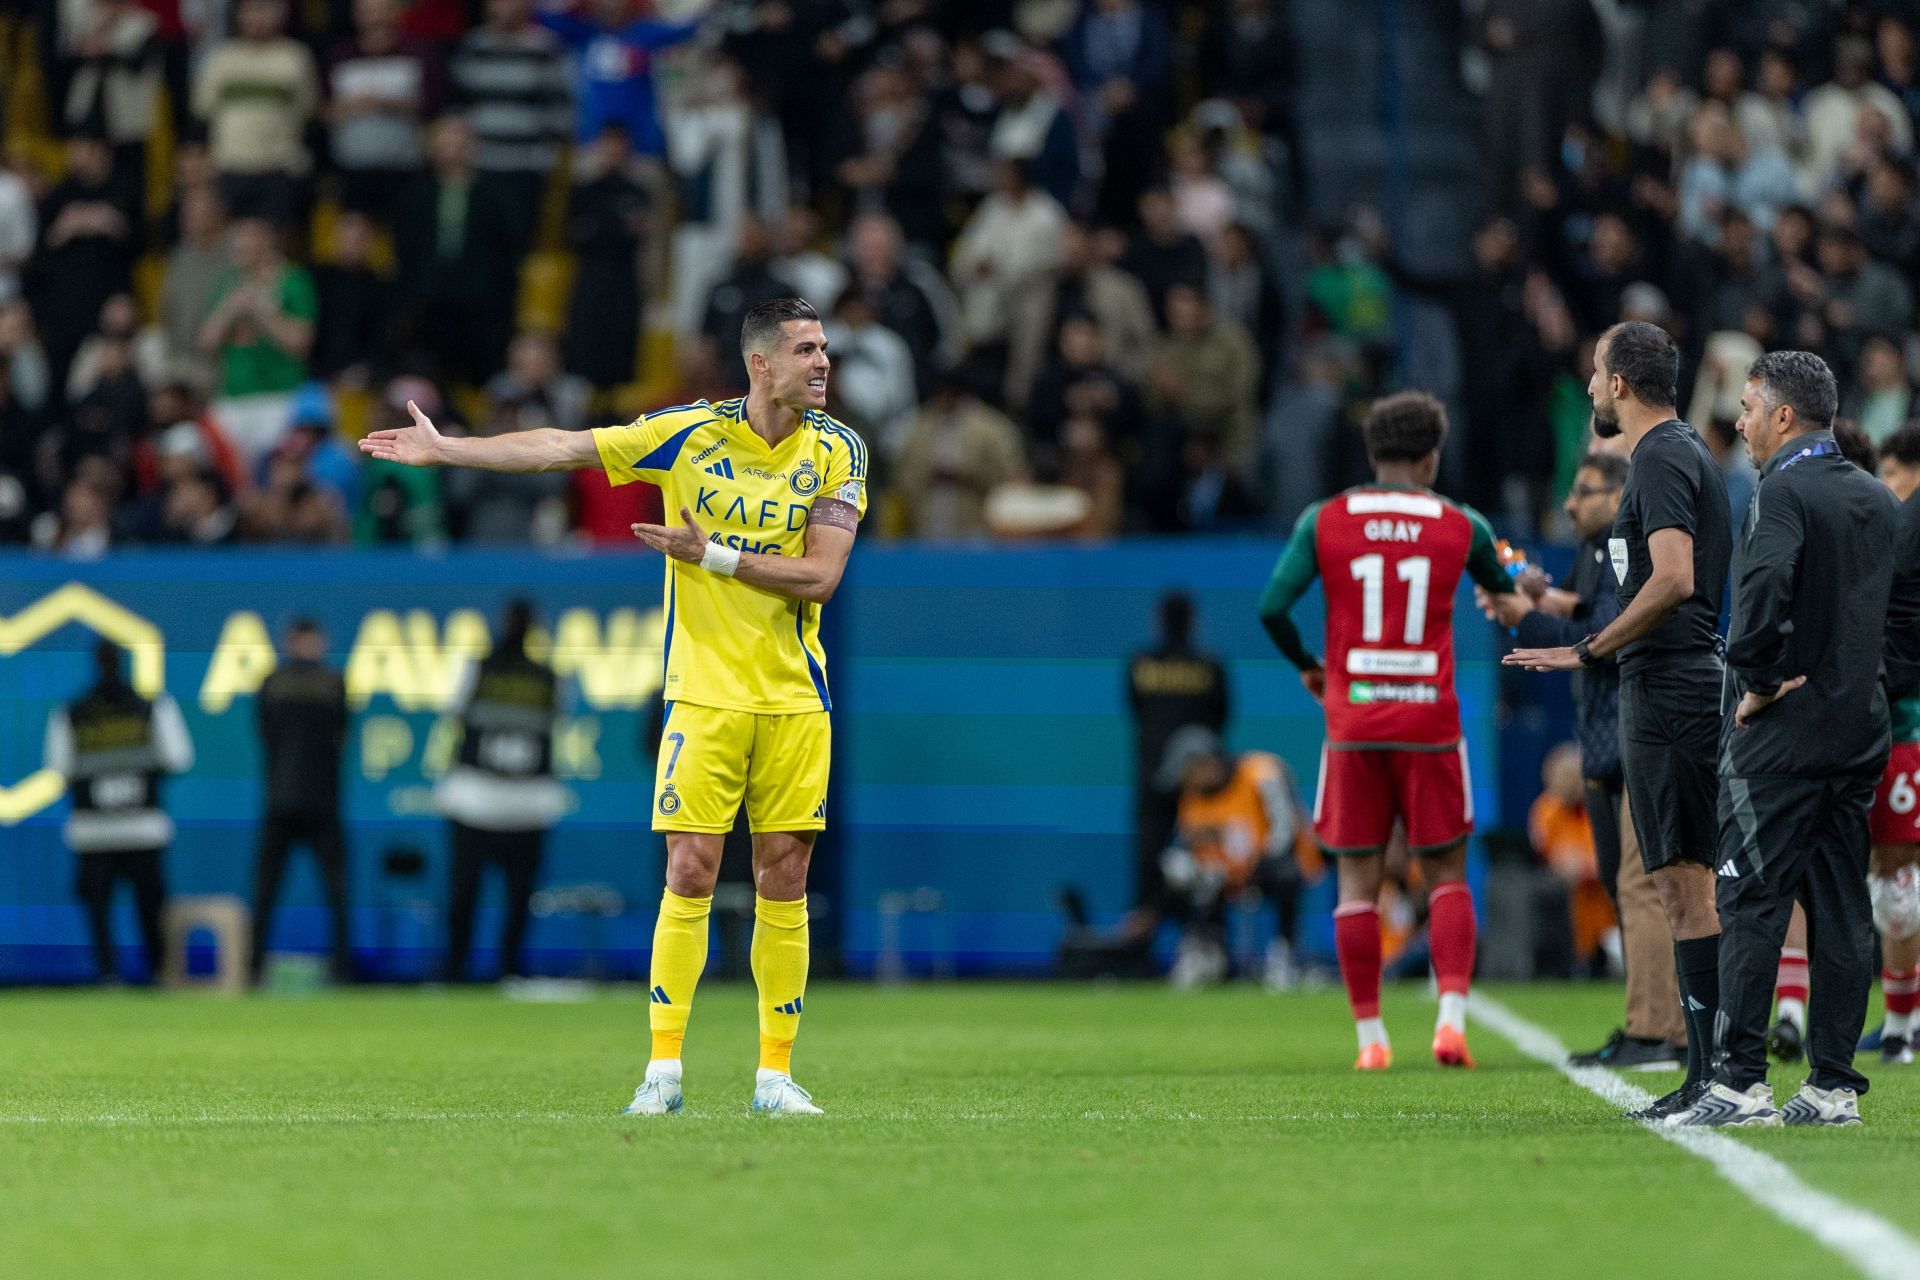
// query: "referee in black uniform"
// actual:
[[302, 717], [1822, 609], [1671, 545]]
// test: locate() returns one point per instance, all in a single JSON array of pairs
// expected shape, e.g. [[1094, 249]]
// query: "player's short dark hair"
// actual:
[[1404, 427], [1903, 446], [1799, 380], [303, 625], [764, 322], [1646, 358], [1856, 446], [1610, 467]]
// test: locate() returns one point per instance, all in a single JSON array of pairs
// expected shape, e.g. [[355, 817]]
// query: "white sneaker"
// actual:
[[778, 1095], [1282, 974], [1813, 1106], [1200, 962], [1721, 1106], [659, 1096]]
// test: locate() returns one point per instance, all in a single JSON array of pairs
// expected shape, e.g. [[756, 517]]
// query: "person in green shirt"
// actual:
[[262, 322]]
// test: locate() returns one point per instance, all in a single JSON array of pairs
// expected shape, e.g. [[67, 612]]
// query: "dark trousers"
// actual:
[[1786, 840], [279, 834], [1155, 814], [518, 855], [97, 875], [1276, 879]]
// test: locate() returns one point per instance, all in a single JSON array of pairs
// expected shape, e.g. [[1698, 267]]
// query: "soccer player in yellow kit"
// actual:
[[770, 491]]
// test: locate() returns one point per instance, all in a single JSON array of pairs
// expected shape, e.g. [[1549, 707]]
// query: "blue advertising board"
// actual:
[[982, 740]]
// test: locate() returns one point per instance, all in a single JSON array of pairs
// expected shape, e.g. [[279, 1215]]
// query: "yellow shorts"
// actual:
[[711, 760]]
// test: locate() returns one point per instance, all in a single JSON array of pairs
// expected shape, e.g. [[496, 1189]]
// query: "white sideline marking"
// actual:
[[1874, 1246]]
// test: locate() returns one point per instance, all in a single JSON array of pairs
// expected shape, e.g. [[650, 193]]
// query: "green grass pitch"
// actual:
[[977, 1131]]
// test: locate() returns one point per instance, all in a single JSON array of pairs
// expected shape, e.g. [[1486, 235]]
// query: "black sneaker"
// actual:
[[1785, 1041], [1896, 1050], [1679, 1100], [1603, 1056]]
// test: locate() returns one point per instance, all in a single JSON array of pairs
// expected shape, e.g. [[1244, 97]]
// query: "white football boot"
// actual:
[[658, 1096], [775, 1094]]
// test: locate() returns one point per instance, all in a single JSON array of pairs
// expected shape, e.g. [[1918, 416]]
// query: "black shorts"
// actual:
[[1670, 718]]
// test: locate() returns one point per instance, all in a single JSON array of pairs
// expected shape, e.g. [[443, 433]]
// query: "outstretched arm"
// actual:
[[422, 445], [813, 576]]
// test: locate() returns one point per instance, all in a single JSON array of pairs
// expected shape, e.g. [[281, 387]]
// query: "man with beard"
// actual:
[[1671, 545]]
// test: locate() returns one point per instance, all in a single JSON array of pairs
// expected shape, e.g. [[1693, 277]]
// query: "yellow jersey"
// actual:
[[730, 645]]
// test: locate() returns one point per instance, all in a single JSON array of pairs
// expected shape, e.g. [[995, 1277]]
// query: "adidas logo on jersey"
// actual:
[[1728, 869], [722, 468]]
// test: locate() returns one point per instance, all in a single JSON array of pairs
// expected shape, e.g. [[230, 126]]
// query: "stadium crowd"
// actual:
[[1042, 231]]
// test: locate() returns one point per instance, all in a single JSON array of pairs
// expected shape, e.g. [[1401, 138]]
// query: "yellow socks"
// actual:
[[679, 958], [780, 954]]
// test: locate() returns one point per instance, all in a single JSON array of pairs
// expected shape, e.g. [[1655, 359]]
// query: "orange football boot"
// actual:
[[1375, 1057], [1450, 1048]]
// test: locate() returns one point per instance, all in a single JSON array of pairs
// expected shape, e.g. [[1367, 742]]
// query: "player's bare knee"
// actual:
[[693, 863], [780, 861], [1444, 866], [1360, 877]]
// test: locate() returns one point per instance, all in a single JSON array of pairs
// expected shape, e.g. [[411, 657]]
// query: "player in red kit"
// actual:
[[1389, 556]]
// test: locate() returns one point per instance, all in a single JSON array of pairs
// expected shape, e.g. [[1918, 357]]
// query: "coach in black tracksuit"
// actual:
[[1169, 687], [302, 717], [500, 797], [1820, 605]]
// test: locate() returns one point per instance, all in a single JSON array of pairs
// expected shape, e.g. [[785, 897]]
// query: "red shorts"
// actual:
[[1362, 791], [1896, 801]]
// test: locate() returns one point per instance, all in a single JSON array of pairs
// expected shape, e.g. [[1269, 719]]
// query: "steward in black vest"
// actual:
[[114, 747], [500, 797]]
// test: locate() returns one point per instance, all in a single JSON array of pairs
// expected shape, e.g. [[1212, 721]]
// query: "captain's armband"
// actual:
[[836, 513]]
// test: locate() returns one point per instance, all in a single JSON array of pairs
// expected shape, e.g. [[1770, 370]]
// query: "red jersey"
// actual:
[[1389, 561]]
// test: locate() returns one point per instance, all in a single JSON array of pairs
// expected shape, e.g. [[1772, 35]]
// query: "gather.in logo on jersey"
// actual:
[[805, 481], [669, 801], [1392, 662], [1366, 693]]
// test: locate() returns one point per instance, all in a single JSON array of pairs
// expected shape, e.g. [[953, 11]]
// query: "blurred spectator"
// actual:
[[512, 80], [607, 226], [1031, 125], [257, 92], [172, 404], [1833, 113], [1726, 172], [113, 79], [1120, 53], [287, 506], [1162, 254], [1888, 221], [1239, 832], [729, 160], [1860, 297], [537, 389], [1087, 462], [1086, 284], [1203, 376], [382, 88], [1883, 395], [953, 454], [964, 107], [497, 508], [28, 375], [1009, 246], [198, 511], [872, 371], [816, 276], [87, 246], [1543, 59], [19, 485], [139, 353], [1207, 495], [454, 241], [1079, 381], [196, 265], [613, 70], [353, 338], [1250, 44], [1562, 838], [1245, 291], [261, 329], [19, 225], [909, 295], [796, 54], [890, 157], [327, 462], [751, 282], [84, 530]]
